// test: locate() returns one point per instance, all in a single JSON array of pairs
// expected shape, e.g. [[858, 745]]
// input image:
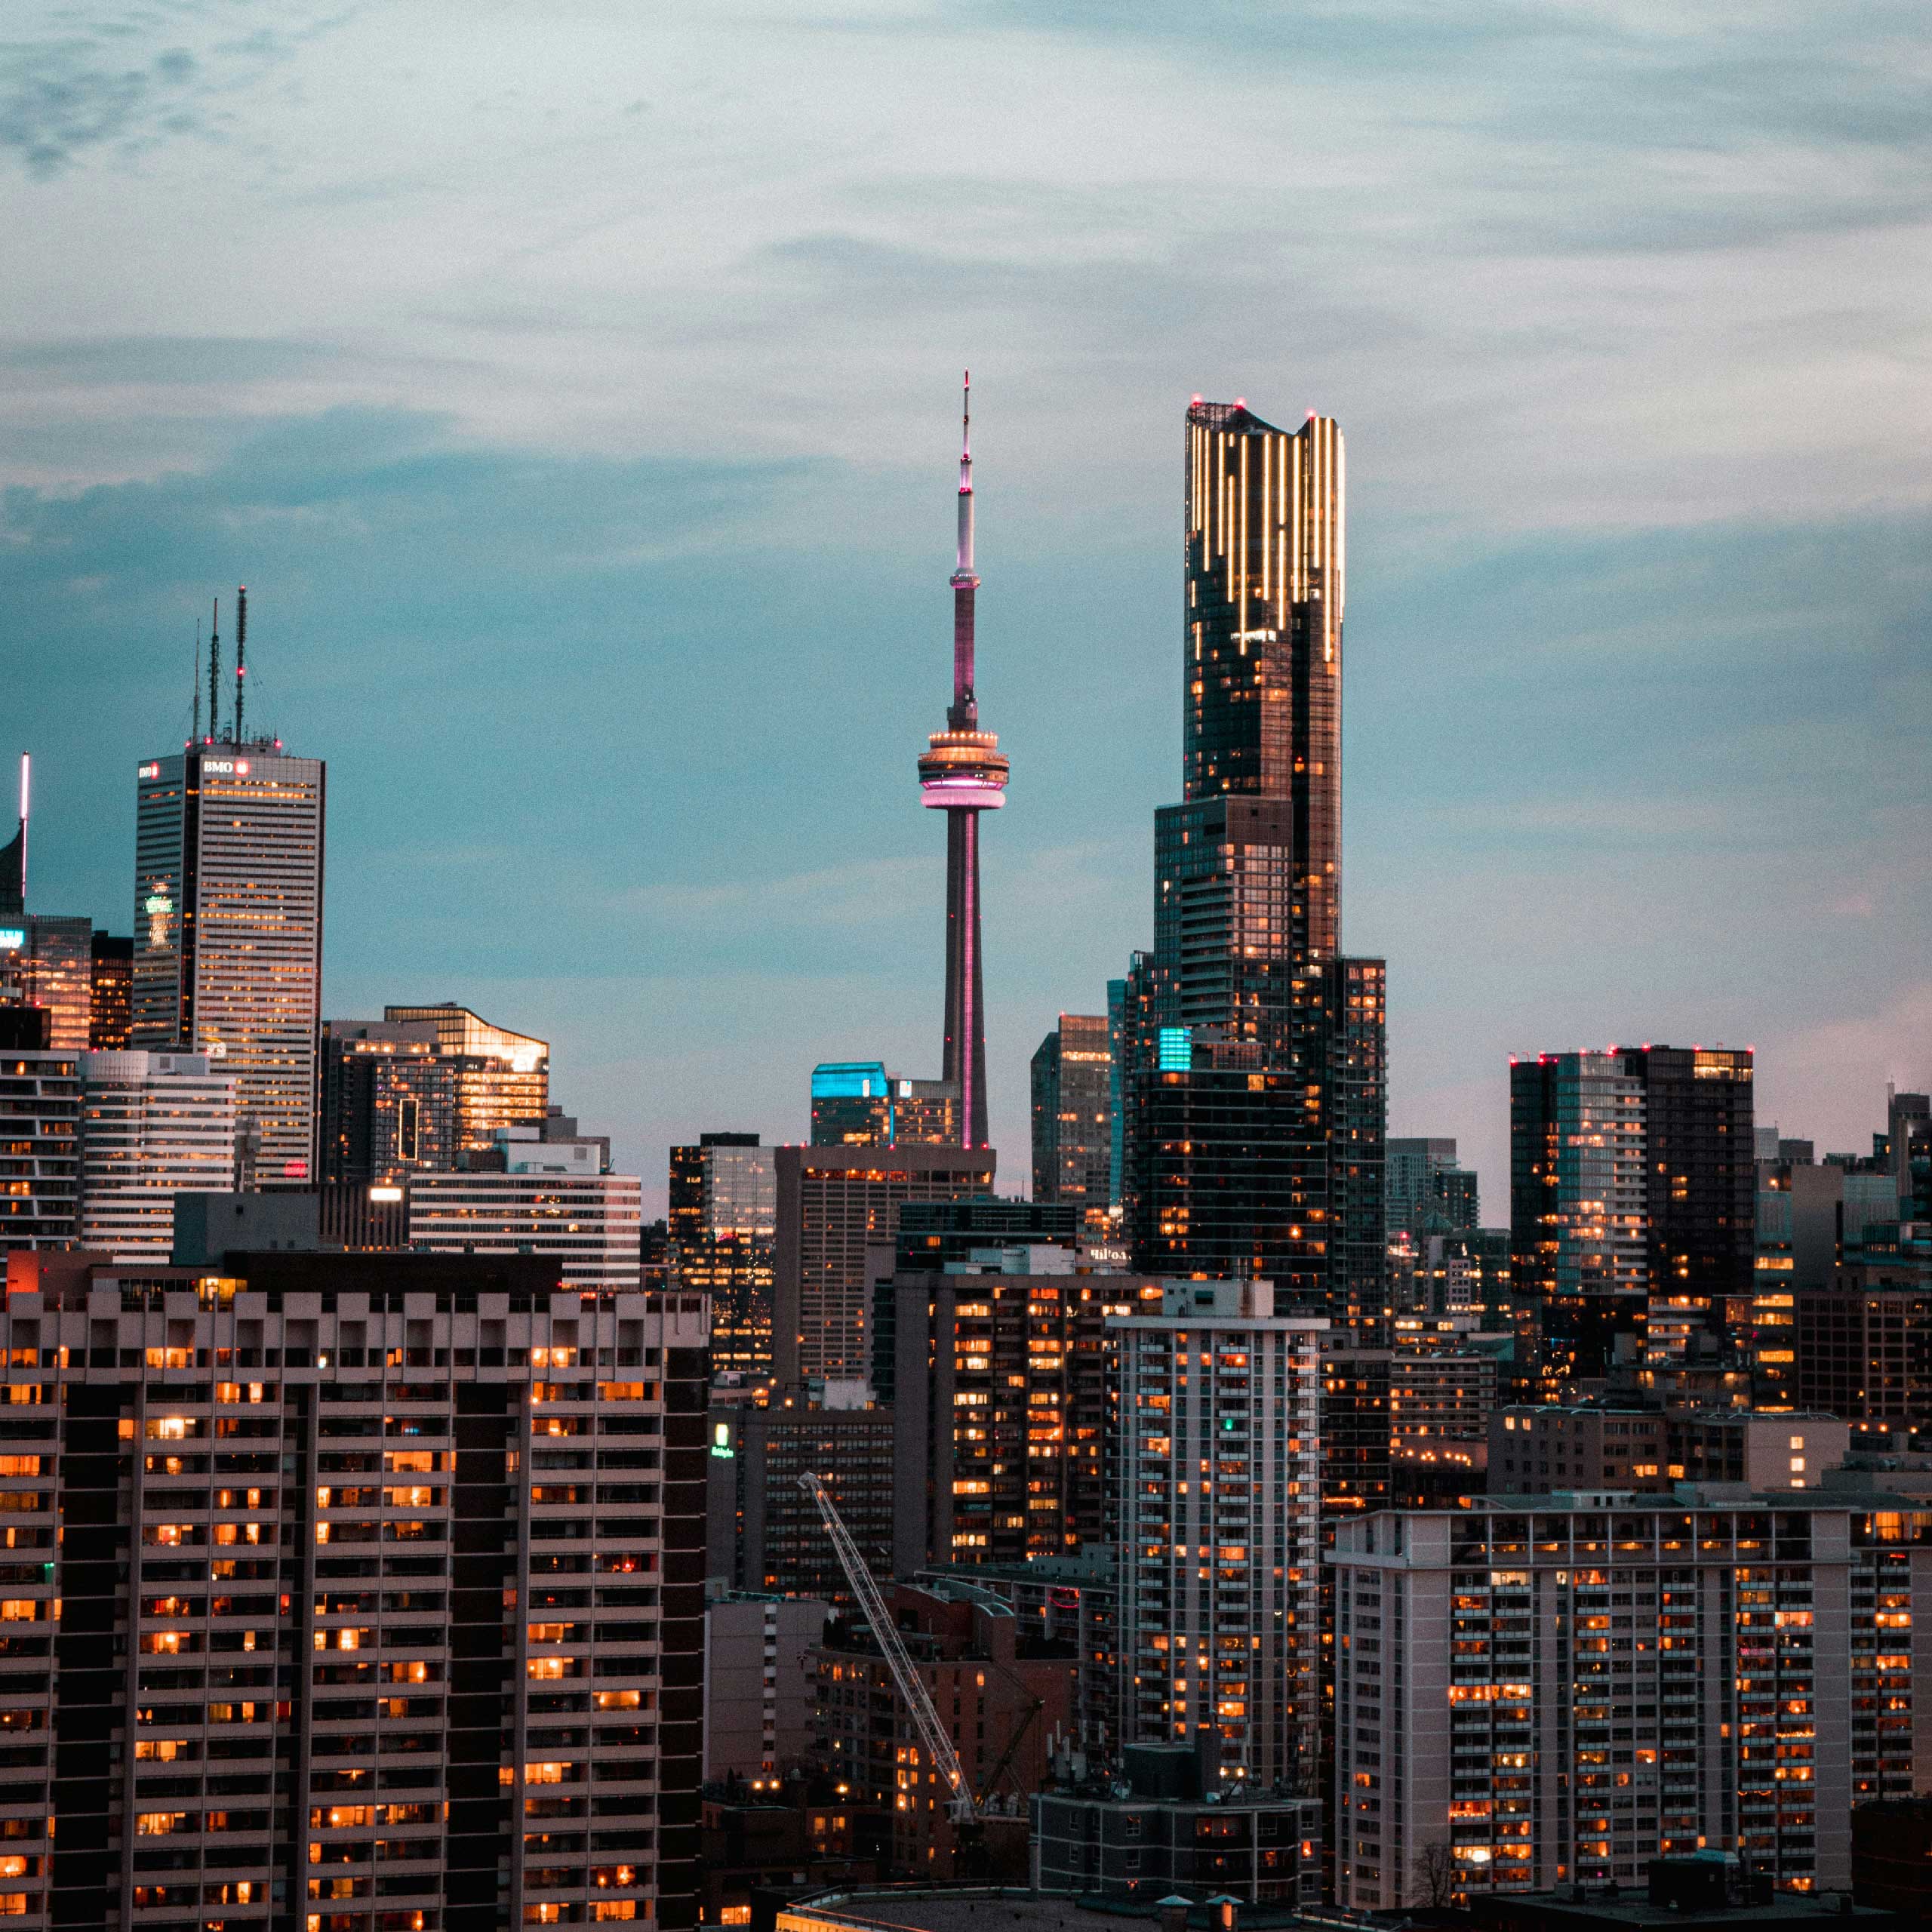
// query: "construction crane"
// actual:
[[965, 1808]]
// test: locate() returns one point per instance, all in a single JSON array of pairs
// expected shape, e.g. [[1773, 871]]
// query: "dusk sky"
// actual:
[[576, 390]]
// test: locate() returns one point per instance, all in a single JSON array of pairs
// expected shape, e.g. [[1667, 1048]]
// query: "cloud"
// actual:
[[61, 98], [125, 84]]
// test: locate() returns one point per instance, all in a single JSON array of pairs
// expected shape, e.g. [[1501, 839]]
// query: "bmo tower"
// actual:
[[228, 935], [962, 774]]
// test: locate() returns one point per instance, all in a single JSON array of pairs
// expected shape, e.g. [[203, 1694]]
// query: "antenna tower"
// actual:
[[214, 675], [195, 731], [240, 651]]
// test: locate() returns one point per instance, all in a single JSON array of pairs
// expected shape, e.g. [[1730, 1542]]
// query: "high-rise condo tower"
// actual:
[[962, 774], [1254, 1077]]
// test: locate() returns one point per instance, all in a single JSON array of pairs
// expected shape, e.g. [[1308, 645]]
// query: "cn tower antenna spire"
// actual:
[[965, 713], [963, 774]]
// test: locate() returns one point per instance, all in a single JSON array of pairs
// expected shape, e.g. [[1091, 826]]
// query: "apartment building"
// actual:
[[356, 1592], [1561, 1693], [1215, 1467]]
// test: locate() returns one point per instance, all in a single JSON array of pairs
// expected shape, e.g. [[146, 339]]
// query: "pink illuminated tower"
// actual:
[[962, 774]]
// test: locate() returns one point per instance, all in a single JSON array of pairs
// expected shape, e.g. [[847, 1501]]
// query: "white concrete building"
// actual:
[[550, 1199], [1559, 1689], [152, 1125], [1215, 1463]]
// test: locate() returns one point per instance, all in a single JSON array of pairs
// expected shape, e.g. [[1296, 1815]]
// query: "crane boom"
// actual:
[[911, 1687]]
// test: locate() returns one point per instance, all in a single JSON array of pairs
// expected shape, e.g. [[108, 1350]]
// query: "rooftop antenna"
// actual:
[[214, 677], [195, 731], [240, 651], [26, 766]]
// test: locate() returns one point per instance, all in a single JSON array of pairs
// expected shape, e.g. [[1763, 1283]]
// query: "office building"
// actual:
[[388, 1102], [963, 772], [766, 1535], [1427, 1189], [1217, 1448], [546, 1199], [857, 1103], [111, 1001], [1155, 1836], [1534, 1451], [722, 1232], [47, 961], [40, 1118], [503, 1079], [758, 1694], [1700, 1214], [152, 1125], [835, 1203], [1866, 1354], [1579, 1195], [228, 934], [1632, 1175], [410, 1591], [1116, 1091], [999, 1400], [1255, 1076], [1003, 1695], [1073, 1129], [1565, 1692]]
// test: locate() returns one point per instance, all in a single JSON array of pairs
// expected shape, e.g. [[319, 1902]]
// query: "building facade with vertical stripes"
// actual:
[[348, 1594]]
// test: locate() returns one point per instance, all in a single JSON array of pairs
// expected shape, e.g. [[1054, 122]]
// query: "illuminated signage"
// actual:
[[149, 771], [295, 1169], [1177, 1050], [721, 1441], [238, 766], [12, 938], [385, 1194]]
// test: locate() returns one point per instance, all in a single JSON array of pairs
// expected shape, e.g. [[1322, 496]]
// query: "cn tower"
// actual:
[[962, 774]]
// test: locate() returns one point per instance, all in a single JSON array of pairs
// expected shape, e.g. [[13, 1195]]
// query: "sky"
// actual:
[[576, 390]]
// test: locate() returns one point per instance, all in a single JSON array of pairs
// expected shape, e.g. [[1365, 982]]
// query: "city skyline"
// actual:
[[1578, 661]]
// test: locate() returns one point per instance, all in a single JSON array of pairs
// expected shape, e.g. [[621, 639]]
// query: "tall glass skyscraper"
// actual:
[[228, 934], [723, 1228], [1255, 1080]]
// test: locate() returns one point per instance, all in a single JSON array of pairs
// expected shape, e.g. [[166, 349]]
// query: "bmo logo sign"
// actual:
[[239, 767]]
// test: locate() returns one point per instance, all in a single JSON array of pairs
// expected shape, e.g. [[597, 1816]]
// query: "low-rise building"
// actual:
[[1153, 1835], [1004, 1697], [758, 1694]]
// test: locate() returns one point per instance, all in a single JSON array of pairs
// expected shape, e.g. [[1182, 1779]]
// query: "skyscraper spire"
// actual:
[[965, 711], [195, 730], [214, 675], [963, 774], [241, 652]]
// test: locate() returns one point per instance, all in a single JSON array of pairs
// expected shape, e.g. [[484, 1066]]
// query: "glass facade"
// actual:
[[859, 1104], [48, 961], [1253, 1069], [1577, 1196], [389, 1102], [111, 1012], [1072, 1092], [503, 1079], [723, 1224]]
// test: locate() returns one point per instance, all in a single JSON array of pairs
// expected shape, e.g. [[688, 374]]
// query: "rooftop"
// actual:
[[962, 1909]]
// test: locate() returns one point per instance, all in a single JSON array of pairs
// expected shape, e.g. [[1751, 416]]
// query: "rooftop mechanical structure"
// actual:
[[962, 774]]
